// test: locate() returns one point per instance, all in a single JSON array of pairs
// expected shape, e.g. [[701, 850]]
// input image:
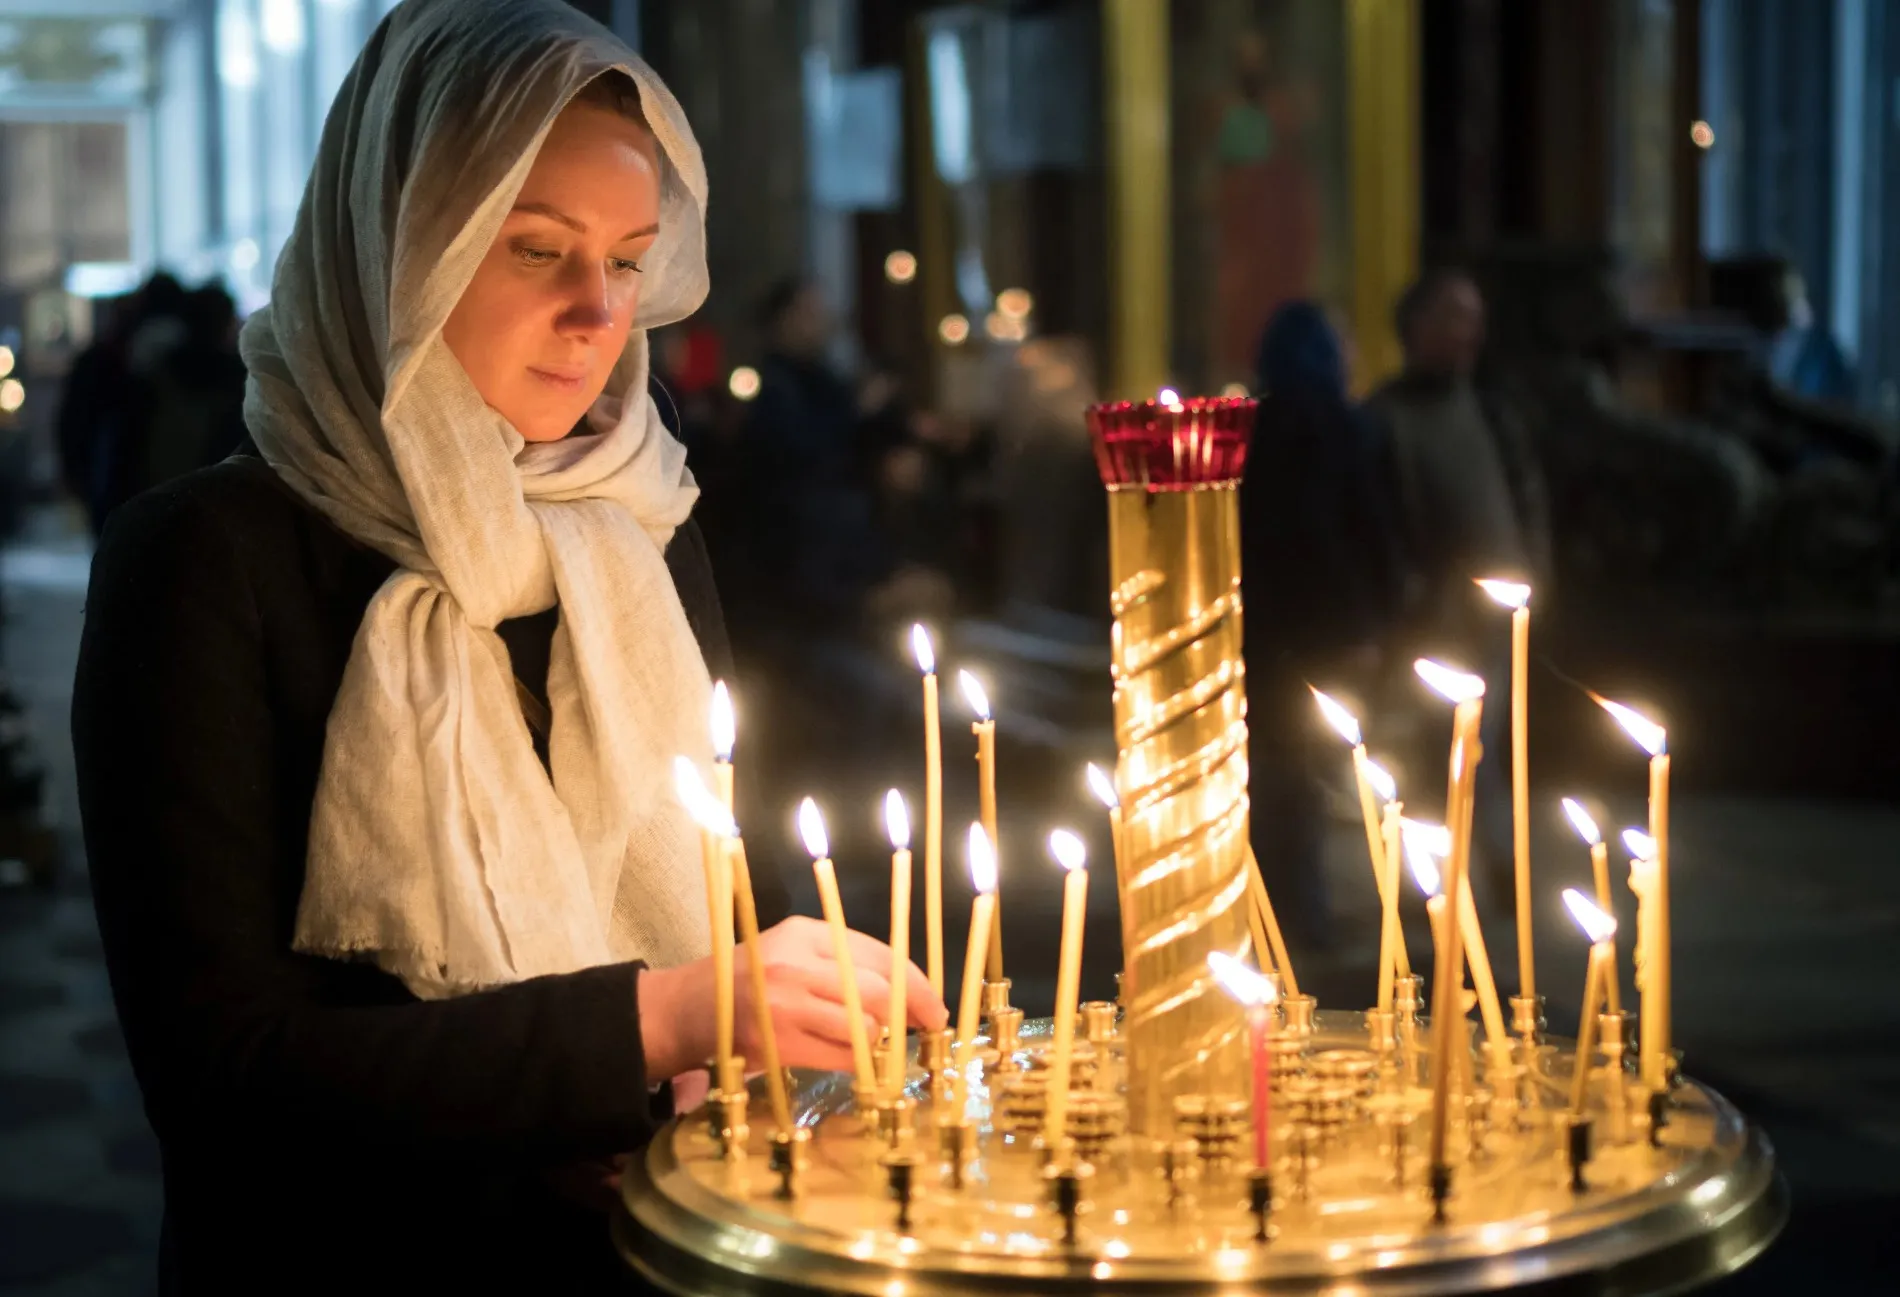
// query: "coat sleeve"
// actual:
[[196, 876]]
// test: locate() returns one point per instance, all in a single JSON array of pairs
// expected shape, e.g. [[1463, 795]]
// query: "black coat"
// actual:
[[320, 1127]]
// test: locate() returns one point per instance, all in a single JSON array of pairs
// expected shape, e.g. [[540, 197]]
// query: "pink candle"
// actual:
[[1256, 994]]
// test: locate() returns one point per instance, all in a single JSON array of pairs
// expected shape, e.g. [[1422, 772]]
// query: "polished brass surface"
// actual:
[[1180, 708], [1649, 1220]]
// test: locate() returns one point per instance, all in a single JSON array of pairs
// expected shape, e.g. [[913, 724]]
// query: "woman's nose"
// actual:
[[586, 308]]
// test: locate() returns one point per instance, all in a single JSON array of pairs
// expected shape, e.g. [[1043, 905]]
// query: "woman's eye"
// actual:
[[536, 256], [622, 266]]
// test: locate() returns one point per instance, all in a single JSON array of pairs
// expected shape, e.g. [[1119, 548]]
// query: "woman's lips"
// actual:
[[563, 380]]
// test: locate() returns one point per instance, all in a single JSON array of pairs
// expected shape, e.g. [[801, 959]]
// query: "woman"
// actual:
[[1323, 581], [373, 729]]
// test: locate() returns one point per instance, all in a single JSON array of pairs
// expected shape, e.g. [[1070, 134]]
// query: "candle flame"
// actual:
[[1243, 983], [982, 860], [725, 729], [921, 646], [1639, 844], [811, 827], [1068, 850], [707, 811], [897, 820], [1512, 594], [1449, 683], [974, 695], [1382, 782], [1339, 718], [1169, 397], [1650, 737], [1103, 787], [1581, 821], [1423, 844], [1596, 925]]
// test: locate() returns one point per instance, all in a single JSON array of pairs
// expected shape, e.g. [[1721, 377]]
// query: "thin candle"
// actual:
[[1516, 596], [1104, 789], [933, 810], [1643, 880], [718, 869], [1348, 727], [897, 824], [1256, 993], [1263, 906], [1467, 691], [761, 993], [1600, 875], [1601, 929], [1068, 851], [982, 914], [1391, 935], [1445, 985], [984, 727], [811, 827], [725, 733], [1655, 1030]]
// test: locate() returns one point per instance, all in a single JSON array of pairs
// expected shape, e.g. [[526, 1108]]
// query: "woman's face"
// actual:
[[543, 322]]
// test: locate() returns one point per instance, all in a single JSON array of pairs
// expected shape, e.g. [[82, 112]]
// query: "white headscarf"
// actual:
[[439, 845]]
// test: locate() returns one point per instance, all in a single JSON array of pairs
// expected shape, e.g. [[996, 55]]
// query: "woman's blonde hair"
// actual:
[[616, 92]]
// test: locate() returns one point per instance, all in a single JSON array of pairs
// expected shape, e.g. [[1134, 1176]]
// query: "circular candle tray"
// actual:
[[1351, 1211]]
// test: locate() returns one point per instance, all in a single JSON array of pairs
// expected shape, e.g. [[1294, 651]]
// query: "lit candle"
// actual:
[[755, 974], [982, 915], [1516, 596], [1104, 789], [713, 859], [811, 827], [724, 735], [933, 810], [1348, 726], [1655, 1031], [897, 824], [1601, 929], [1447, 982], [1467, 691], [1643, 877], [1392, 953], [1600, 873], [984, 727], [1256, 993], [1073, 857]]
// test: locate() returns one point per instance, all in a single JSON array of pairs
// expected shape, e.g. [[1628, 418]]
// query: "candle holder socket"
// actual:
[[936, 1057], [1407, 995], [1610, 1031], [1479, 1104], [729, 1123], [1288, 1056], [956, 1146], [1098, 1023], [1355, 1069], [1299, 1010], [1006, 1027], [894, 1121], [1260, 1203], [1068, 1180], [1216, 1124], [1577, 1130], [1382, 1035], [1527, 1019], [900, 1177], [865, 1103], [1439, 1187], [1658, 1116], [1395, 1115], [995, 998], [1180, 1171], [1305, 1158], [787, 1158]]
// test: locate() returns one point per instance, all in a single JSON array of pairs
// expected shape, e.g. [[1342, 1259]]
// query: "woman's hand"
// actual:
[[677, 1017]]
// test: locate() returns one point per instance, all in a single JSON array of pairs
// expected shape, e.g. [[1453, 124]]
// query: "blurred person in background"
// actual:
[[105, 403], [195, 391], [1324, 583], [1472, 503]]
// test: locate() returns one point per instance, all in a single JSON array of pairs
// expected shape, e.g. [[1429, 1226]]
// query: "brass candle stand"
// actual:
[[1170, 1174]]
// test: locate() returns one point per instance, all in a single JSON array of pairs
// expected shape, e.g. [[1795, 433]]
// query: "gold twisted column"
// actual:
[[1180, 722]]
